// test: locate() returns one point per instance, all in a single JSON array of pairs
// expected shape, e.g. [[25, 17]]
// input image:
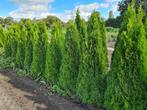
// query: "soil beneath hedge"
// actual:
[[25, 94]]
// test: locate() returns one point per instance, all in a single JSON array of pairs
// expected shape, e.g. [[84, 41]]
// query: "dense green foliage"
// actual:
[[54, 54], [114, 22], [2, 35], [39, 49], [35, 65], [91, 84], [126, 80], [70, 62], [123, 5], [29, 45], [74, 60], [20, 55]]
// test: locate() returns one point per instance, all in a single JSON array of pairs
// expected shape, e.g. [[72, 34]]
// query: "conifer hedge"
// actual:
[[77, 62]]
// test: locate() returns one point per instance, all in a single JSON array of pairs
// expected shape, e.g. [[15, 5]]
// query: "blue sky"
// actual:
[[64, 9]]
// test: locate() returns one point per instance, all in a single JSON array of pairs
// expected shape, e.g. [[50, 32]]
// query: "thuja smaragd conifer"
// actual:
[[2, 36], [126, 80], [35, 66], [81, 27], [20, 55], [70, 62], [43, 37], [90, 85], [7, 43], [29, 45], [15, 33], [54, 54], [39, 49]]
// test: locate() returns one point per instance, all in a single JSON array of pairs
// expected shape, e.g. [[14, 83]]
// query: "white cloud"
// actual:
[[42, 8], [113, 6], [30, 8], [112, 0]]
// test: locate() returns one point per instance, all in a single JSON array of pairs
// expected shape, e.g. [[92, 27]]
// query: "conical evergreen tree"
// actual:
[[29, 45], [7, 43], [43, 37], [146, 26], [91, 84], [70, 61], [54, 54], [81, 27], [125, 82], [35, 66], [39, 49], [20, 55], [2, 36], [14, 40]]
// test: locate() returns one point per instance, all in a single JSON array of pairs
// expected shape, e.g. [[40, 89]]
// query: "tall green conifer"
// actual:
[[7, 43], [39, 49], [15, 32], [43, 37], [91, 86], [35, 66], [29, 45], [2, 36], [20, 55], [126, 80], [70, 62], [54, 54]]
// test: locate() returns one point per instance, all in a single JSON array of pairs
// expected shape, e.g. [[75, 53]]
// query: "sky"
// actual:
[[64, 9]]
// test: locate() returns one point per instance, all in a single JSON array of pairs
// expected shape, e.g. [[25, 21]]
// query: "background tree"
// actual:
[[54, 54], [91, 85], [123, 5], [70, 61], [50, 20], [8, 21], [125, 82]]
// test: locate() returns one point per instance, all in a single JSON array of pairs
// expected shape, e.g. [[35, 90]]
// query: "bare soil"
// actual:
[[25, 94]]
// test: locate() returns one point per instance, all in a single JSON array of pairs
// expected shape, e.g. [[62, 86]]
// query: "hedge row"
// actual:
[[76, 59]]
